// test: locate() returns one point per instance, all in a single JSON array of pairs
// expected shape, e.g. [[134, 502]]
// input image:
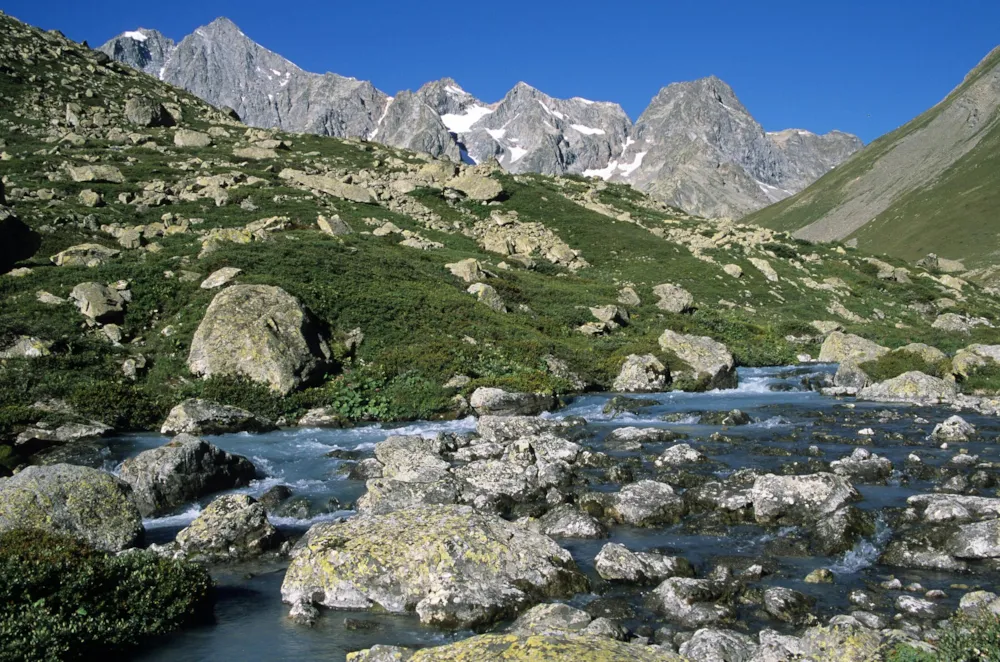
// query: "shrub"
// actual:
[[984, 379], [63, 600], [894, 364], [781, 250], [964, 639]]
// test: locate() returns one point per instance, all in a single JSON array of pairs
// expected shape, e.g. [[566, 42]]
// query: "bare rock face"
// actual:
[[454, 566], [261, 333]]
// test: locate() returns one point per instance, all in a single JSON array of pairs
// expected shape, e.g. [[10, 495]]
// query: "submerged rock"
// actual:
[[617, 562], [454, 566], [81, 502]]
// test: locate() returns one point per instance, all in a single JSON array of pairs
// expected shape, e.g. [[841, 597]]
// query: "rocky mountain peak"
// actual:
[[143, 49]]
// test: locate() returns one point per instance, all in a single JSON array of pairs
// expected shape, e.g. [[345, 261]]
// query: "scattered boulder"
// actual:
[[679, 455], [145, 112], [97, 173], [765, 268], [710, 362], [641, 374], [180, 471], [487, 296], [468, 270], [189, 138], [693, 603], [715, 645], [476, 187], [99, 303], [196, 416], [616, 562], [673, 298], [262, 333], [325, 184], [233, 527], [566, 521], [17, 240], [911, 387], [953, 429], [788, 605], [456, 567], [800, 499], [497, 402], [221, 277], [84, 255], [333, 226], [646, 503], [81, 502], [848, 348], [26, 347]]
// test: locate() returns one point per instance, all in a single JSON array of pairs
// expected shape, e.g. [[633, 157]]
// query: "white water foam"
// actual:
[[180, 519], [865, 552]]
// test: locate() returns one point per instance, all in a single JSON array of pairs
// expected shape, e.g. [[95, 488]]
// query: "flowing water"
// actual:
[[251, 622]]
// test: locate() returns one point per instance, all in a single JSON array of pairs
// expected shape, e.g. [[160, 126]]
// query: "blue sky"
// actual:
[[863, 66]]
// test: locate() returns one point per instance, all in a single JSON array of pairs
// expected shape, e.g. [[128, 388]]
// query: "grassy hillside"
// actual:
[[954, 215], [420, 325]]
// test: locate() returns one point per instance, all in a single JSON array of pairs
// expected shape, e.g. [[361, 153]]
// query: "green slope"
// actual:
[[955, 215], [421, 327]]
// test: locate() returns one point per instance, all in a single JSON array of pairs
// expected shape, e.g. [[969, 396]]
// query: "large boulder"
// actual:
[[261, 333], [524, 648], [231, 528], [488, 296], [711, 363], [911, 387], [99, 303], [966, 361], [411, 459], [800, 499], [693, 603], [97, 173], [551, 618], [17, 241], [189, 138], [848, 348], [476, 187], [641, 374], [646, 503], [673, 298], [82, 502], [145, 112], [454, 566], [325, 184], [497, 402], [180, 471], [196, 416], [714, 645]]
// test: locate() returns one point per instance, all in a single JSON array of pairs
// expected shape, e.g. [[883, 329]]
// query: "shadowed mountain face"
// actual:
[[933, 185], [695, 147]]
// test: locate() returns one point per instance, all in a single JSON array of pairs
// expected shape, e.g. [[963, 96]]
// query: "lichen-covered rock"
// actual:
[[863, 466], [978, 540], [849, 348], [497, 402], [952, 429], [641, 374], [334, 226], [180, 471], [232, 527], [82, 502], [454, 566], [680, 454], [566, 521], [261, 333], [220, 277], [616, 562], [84, 255], [487, 296], [693, 603], [26, 347], [968, 360], [788, 605], [551, 618], [911, 387], [196, 416], [146, 112], [800, 499], [385, 495], [477, 187], [411, 459], [646, 503], [673, 298], [535, 648], [710, 362], [713, 645]]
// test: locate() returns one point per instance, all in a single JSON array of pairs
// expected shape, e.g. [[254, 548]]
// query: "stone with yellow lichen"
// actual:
[[536, 648], [454, 566]]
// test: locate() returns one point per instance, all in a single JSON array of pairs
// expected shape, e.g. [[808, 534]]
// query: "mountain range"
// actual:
[[695, 147]]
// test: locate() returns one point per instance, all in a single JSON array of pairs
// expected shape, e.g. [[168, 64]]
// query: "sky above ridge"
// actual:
[[861, 66]]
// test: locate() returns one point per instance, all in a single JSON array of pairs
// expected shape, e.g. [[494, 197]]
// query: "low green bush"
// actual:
[[61, 599], [985, 379], [894, 364], [964, 639]]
